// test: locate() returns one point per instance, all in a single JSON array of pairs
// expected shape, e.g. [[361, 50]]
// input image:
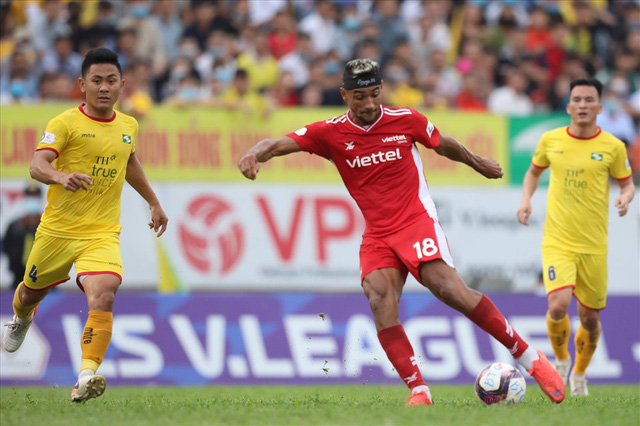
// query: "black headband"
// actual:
[[361, 81]]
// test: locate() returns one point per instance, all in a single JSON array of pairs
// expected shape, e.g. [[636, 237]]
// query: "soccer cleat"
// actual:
[[578, 384], [563, 366], [548, 378], [420, 398], [88, 387], [16, 332]]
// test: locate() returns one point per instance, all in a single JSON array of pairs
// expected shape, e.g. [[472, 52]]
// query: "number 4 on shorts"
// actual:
[[33, 274]]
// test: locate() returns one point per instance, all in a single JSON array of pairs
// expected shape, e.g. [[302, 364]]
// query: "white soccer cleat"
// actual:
[[15, 333], [88, 387], [578, 384], [564, 367]]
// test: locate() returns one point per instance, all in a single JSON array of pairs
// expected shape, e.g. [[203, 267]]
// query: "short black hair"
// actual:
[[100, 55], [589, 81]]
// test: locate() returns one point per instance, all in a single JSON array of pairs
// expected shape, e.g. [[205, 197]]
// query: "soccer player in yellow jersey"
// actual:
[[93, 147], [574, 244]]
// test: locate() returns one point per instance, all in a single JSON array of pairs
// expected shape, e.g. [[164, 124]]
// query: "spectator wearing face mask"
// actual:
[[188, 92], [149, 45], [18, 82], [614, 118], [20, 234]]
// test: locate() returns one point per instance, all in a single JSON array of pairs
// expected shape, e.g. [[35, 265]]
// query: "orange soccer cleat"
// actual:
[[548, 378], [419, 398]]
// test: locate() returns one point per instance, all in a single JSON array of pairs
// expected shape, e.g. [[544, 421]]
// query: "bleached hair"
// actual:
[[356, 67]]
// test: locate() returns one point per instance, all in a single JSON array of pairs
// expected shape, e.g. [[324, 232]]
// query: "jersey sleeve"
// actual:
[[540, 159], [424, 131], [311, 138], [55, 136], [620, 168]]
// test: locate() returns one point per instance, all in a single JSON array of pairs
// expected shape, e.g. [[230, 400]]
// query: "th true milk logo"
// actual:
[[126, 139], [596, 156]]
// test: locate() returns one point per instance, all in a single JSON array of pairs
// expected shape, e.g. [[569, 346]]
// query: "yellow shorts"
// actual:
[[51, 259], [586, 273]]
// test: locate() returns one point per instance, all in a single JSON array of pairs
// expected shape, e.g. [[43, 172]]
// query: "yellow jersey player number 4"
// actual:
[[85, 155]]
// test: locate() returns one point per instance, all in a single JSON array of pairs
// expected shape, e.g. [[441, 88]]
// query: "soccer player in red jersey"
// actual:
[[374, 150]]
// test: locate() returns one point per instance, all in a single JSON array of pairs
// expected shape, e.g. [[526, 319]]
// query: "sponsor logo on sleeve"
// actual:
[[301, 132], [627, 164], [430, 128], [48, 137]]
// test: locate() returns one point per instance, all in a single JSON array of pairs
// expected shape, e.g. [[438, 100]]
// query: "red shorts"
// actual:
[[406, 249]]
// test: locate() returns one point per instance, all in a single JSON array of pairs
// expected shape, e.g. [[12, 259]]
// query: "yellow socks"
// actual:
[[22, 311], [559, 332], [95, 339], [586, 344]]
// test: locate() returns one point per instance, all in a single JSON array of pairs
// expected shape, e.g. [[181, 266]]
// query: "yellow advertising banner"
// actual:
[[205, 144]]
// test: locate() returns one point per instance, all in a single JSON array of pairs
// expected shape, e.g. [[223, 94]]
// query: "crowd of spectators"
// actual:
[[503, 56]]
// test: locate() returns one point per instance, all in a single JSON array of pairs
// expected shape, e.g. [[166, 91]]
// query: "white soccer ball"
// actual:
[[500, 383]]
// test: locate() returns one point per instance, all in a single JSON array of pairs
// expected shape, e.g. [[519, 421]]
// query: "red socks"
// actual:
[[395, 343], [488, 317]]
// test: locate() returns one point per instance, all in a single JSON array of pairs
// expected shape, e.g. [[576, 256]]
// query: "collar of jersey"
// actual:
[[101, 120], [587, 138], [370, 127]]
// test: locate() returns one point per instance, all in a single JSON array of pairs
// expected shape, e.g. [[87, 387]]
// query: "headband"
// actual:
[[363, 80]]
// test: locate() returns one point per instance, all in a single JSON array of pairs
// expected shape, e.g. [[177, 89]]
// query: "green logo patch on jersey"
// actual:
[[127, 139], [596, 156]]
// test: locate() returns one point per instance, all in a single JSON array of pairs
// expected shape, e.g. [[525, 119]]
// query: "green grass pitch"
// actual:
[[310, 405]]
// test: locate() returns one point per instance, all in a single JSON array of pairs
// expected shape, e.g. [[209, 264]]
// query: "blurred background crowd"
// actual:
[[502, 56]]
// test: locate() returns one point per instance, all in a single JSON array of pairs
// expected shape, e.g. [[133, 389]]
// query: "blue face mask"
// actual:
[[224, 74], [332, 68], [612, 105], [18, 89], [140, 11], [189, 93], [351, 23], [32, 206], [216, 52]]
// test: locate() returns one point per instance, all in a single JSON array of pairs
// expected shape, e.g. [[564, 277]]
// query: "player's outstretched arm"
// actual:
[[627, 191], [454, 150], [265, 150], [42, 170], [138, 181], [529, 186]]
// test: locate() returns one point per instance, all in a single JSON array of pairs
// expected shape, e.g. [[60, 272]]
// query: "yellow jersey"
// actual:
[[578, 200], [96, 147]]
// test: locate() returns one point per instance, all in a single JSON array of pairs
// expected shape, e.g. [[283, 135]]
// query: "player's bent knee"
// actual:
[[102, 301], [557, 312], [446, 291], [590, 320], [558, 307]]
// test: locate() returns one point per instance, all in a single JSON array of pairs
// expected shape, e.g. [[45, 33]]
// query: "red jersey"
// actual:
[[380, 164]]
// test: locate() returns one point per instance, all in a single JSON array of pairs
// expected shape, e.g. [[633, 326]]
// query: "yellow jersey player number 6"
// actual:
[[574, 244]]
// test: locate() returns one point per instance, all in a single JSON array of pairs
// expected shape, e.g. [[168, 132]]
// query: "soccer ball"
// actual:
[[500, 383]]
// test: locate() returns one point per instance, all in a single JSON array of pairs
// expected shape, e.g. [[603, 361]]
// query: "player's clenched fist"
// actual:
[[249, 166], [490, 168], [74, 181]]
